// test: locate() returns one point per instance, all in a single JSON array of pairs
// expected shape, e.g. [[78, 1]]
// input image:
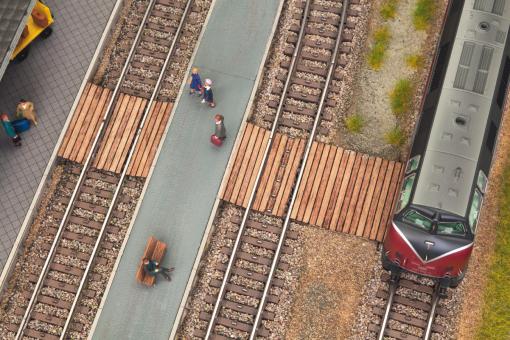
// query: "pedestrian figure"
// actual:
[[219, 131], [153, 268], [9, 130], [195, 83], [208, 94], [25, 109]]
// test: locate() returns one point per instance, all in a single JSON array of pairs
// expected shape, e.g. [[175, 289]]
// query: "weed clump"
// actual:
[[423, 14], [389, 9], [395, 136], [381, 41], [401, 97], [415, 61], [354, 123]]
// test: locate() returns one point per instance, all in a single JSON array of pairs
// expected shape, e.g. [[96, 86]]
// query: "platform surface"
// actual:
[[50, 77], [187, 176]]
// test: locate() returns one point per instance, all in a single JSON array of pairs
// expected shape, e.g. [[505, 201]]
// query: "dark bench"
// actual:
[[154, 250]]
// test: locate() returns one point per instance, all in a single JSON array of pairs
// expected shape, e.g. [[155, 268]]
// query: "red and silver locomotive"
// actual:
[[434, 225]]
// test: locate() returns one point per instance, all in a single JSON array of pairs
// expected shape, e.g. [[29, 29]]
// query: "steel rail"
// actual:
[[125, 167], [331, 70], [242, 227], [386, 317], [435, 300], [86, 166]]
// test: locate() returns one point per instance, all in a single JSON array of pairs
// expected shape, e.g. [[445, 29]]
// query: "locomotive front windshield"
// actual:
[[442, 226]]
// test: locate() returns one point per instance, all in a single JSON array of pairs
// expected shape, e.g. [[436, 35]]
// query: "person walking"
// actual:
[[153, 268], [195, 83], [25, 109], [219, 130], [208, 93], [9, 129]]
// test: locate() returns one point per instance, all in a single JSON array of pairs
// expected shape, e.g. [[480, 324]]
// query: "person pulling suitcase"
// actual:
[[220, 132]]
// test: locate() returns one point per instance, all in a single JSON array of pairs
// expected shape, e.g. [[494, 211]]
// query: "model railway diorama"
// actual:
[[322, 225]]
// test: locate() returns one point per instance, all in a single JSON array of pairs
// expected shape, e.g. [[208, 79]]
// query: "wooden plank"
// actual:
[[153, 134], [293, 172], [346, 192], [79, 118], [335, 201], [309, 183], [375, 198], [302, 186], [251, 171], [244, 166], [267, 170], [237, 162], [322, 185], [274, 170], [369, 205], [94, 127], [392, 198], [104, 148], [143, 147], [360, 180], [333, 173], [85, 124], [154, 148], [124, 119], [316, 183], [287, 178], [382, 200], [367, 200], [76, 114], [129, 133], [350, 171], [256, 167]]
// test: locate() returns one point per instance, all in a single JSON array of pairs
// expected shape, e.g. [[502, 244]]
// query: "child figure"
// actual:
[[9, 129], [25, 109], [195, 83], [208, 94]]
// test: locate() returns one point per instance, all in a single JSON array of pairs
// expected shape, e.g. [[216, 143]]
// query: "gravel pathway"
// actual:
[[370, 97], [330, 286]]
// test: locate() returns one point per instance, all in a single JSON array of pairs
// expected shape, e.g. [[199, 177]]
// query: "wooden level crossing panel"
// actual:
[[341, 190], [347, 191], [85, 123], [119, 133], [149, 140]]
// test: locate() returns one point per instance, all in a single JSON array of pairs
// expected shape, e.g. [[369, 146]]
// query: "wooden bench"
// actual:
[[154, 250]]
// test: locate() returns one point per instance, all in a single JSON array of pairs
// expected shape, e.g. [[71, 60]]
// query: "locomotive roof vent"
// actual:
[[484, 26], [460, 121]]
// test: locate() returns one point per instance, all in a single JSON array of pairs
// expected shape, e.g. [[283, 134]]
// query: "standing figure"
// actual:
[[25, 109], [208, 94], [219, 131], [195, 83], [9, 130], [153, 268]]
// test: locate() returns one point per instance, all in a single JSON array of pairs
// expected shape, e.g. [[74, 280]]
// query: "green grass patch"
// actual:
[[423, 14], [495, 322], [389, 9], [395, 136], [381, 40], [354, 123], [415, 61], [401, 97]]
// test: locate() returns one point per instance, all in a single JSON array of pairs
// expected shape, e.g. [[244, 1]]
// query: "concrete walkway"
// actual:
[[186, 179]]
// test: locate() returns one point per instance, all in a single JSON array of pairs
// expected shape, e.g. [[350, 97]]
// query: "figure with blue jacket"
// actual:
[[208, 94], [9, 129], [195, 83]]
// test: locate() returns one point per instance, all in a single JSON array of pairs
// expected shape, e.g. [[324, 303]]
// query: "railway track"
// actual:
[[238, 309], [84, 222], [410, 310]]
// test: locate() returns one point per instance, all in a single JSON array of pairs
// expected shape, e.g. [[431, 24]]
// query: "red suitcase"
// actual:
[[215, 140]]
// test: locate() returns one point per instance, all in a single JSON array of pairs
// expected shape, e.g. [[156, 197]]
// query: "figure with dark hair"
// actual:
[[153, 268]]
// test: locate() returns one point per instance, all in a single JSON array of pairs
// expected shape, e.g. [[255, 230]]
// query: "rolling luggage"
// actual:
[[215, 140]]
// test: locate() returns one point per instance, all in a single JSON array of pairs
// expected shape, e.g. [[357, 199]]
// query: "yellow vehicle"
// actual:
[[38, 25]]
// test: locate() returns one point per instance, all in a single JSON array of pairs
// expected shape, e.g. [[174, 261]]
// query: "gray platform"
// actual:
[[50, 77], [185, 182]]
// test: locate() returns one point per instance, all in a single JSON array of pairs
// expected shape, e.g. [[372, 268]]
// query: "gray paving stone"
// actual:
[[50, 77]]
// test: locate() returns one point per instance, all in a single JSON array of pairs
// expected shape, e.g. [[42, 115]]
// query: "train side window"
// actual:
[[481, 181], [405, 193], [440, 66], [474, 211], [491, 137], [417, 219], [451, 228], [413, 163], [503, 83]]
